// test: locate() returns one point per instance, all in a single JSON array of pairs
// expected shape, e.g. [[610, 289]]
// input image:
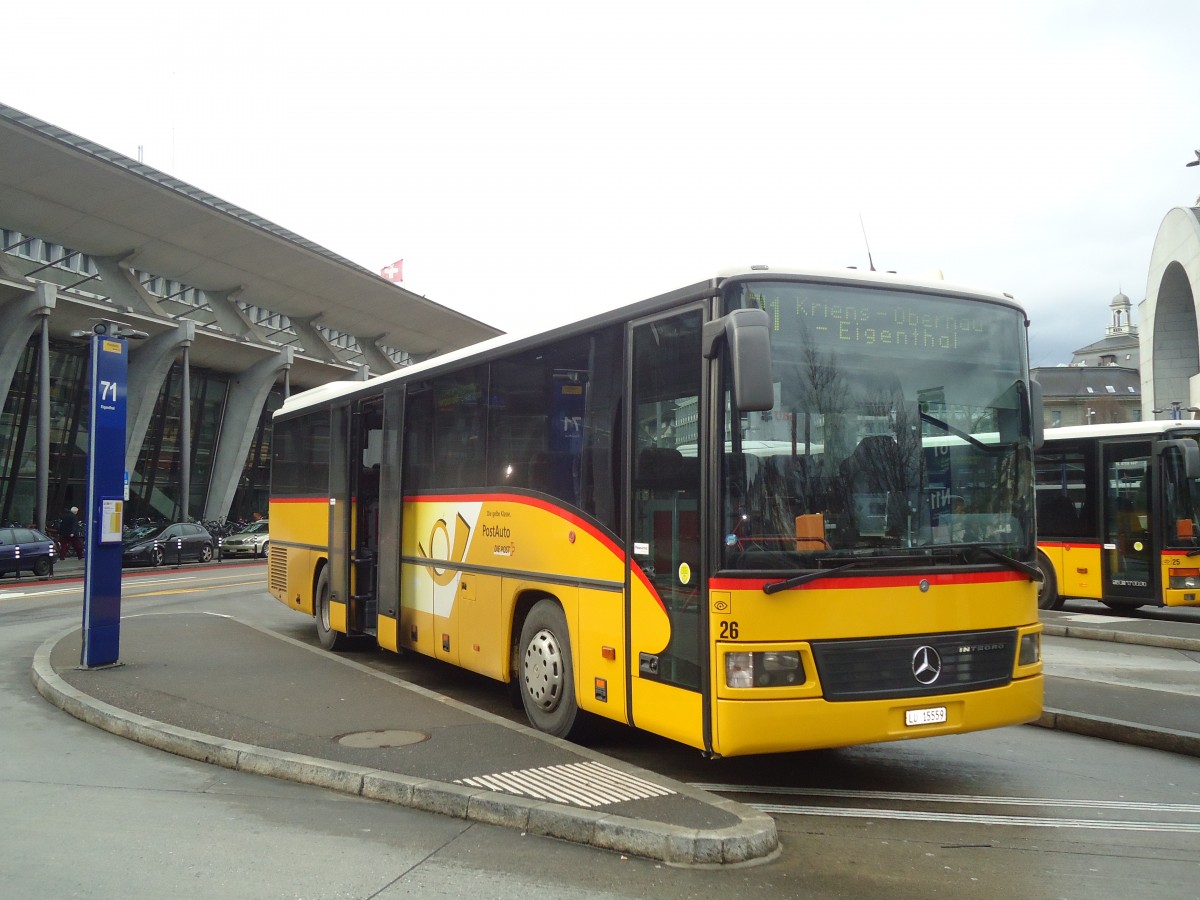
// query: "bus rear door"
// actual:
[[1130, 577]]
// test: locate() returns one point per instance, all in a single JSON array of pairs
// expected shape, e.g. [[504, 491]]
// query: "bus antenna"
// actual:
[[870, 261]]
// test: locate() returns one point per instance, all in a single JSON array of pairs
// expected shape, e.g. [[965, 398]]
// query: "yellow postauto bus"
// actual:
[[1117, 514], [772, 511]]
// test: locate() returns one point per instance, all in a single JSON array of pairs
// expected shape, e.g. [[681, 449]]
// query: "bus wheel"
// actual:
[[330, 638], [547, 682], [1048, 590]]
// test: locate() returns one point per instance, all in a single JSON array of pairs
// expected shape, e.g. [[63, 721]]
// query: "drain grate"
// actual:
[[577, 784]]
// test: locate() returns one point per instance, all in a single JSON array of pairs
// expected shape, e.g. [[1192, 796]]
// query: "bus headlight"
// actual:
[[772, 668], [1183, 579], [1031, 649]]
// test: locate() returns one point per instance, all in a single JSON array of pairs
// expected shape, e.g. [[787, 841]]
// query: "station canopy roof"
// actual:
[[70, 191]]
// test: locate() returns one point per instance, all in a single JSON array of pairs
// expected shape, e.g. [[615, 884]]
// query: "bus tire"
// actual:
[[330, 638], [1048, 597], [545, 673]]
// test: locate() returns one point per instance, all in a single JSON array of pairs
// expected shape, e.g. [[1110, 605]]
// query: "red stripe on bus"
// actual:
[[570, 517], [860, 582], [526, 501]]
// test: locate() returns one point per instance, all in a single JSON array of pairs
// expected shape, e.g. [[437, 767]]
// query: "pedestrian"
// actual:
[[71, 532]]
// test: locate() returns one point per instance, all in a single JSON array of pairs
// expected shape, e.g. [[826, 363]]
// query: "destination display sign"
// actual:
[[902, 323]]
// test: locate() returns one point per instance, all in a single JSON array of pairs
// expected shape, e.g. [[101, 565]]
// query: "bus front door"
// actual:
[[1130, 578], [367, 458], [665, 575]]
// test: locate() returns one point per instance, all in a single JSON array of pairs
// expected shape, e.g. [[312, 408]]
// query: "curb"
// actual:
[[1167, 739], [1092, 633], [752, 841]]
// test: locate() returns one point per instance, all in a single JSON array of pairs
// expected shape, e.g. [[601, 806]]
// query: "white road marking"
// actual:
[[577, 784], [1166, 809]]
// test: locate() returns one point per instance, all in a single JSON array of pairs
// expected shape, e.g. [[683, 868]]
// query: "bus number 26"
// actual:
[[729, 630]]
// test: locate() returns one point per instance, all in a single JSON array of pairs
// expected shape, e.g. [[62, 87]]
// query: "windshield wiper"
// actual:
[[775, 587], [1034, 573], [959, 433]]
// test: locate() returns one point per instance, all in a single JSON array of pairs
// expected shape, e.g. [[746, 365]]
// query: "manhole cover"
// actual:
[[377, 740]]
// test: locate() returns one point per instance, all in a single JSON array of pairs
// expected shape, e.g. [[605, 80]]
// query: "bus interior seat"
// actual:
[[810, 532]]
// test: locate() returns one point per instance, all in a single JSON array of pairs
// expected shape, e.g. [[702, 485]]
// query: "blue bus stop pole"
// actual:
[[105, 498]]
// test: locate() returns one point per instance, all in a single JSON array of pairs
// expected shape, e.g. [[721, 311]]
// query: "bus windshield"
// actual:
[[900, 429], [1181, 509]]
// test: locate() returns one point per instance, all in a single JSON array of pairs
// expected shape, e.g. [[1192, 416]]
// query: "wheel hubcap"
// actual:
[[543, 671]]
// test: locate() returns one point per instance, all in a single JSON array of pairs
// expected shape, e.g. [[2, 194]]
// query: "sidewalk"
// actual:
[[323, 719], [327, 720], [1123, 705]]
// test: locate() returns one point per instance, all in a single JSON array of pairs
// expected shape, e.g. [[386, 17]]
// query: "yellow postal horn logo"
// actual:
[[440, 532]]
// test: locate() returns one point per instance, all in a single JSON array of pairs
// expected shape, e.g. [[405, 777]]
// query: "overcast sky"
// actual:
[[532, 162]]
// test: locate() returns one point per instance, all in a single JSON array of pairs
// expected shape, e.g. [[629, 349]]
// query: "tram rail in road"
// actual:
[[1176, 818]]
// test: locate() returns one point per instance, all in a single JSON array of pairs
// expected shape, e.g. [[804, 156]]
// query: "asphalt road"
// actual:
[[1022, 811]]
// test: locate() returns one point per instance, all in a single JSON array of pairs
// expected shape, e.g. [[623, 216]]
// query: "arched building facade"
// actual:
[[1170, 339]]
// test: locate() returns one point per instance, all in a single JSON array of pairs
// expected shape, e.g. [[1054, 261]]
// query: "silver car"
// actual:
[[252, 540]]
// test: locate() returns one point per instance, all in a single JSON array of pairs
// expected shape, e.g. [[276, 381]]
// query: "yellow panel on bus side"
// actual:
[[599, 654], [671, 711], [301, 566], [386, 636], [416, 629], [302, 527], [1080, 572], [481, 645]]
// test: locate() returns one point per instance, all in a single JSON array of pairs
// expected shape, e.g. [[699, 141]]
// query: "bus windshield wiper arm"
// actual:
[[958, 433], [1034, 573], [775, 587]]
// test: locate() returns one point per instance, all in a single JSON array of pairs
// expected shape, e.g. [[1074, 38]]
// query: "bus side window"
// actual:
[[1056, 514]]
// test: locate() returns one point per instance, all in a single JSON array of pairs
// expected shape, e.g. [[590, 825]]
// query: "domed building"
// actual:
[[1120, 345], [1102, 383]]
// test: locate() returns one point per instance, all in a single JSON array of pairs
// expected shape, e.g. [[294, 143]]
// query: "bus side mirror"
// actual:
[[1036, 414], [1190, 451], [747, 334]]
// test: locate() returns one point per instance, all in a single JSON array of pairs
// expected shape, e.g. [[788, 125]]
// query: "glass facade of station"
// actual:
[[155, 482]]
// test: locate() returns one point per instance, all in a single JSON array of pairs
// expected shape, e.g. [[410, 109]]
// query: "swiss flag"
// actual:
[[394, 272]]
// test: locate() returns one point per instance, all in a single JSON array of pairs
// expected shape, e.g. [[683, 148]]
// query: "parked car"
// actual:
[[26, 549], [253, 540], [151, 545]]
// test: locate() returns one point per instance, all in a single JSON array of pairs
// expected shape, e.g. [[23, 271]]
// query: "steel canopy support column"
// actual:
[[42, 465], [122, 287], [185, 435], [313, 342], [243, 407], [230, 317], [149, 364], [19, 319], [379, 361]]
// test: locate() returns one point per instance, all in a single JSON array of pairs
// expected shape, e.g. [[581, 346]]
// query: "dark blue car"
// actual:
[[26, 550], [152, 545]]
